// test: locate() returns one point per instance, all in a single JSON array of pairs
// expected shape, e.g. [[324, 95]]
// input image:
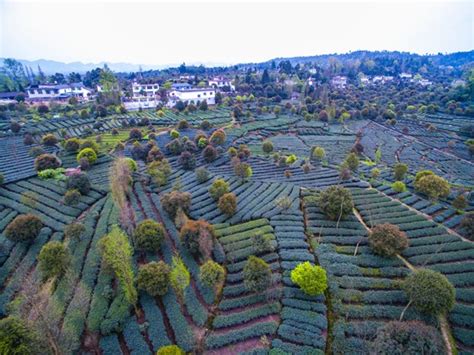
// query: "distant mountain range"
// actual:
[[51, 66]]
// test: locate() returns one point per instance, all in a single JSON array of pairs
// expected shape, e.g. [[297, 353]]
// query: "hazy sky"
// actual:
[[151, 32]]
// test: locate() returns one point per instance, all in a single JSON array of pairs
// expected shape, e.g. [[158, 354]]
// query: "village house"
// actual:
[[141, 90], [339, 82], [194, 96], [181, 86], [46, 92], [221, 83], [381, 79]]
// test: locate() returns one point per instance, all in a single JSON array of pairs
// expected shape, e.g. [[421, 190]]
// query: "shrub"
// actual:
[[433, 186], [89, 144], [399, 171], [352, 162], [16, 338], [422, 174], [183, 124], [175, 147], [170, 350], [174, 134], [202, 175], [429, 291], [198, 237], [242, 170], [267, 147], [336, 202], [28, 139], [24, 228], [154, 278], [15, 126], [387, 240], [87, 153], [291, 159], [232, 152], [228, 204], [42, 109], [2, 179], [375, 173], [49, 140], [74, 230], [135, 134], [72, 145], [261, 243], [79, 182], [257, 274], [53, 260], [159, 170], [209, 154], [187, 160], [410, 337], [72, 197], [218, 137], [212, 274], [36, 151], [154, 154], [174, 200], [318, 153], [149, 235], [459, 202], [310, 278], [179, 276], [306, 167], [399, 186], [218, 188], [467, 225], [46, 161], [205, 125]]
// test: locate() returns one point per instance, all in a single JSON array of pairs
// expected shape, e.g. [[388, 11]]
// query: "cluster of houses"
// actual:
[[149, 95], [340, 82], [143, 95]]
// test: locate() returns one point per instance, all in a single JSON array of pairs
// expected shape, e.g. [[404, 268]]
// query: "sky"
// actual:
[[225, 32]]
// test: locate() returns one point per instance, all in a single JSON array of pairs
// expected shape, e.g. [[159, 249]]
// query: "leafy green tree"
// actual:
[[429, 291], [387, 240], [399, 171], [53, 260], [87, 153], [179, 276], [74, 231], [212, 274], [218, 188], [149, 235], [318, 153], [176, 200], [24, 228], [336, 202], [399, 186], [228, 203], [198, 237], [267, 147], [16, 338], [409, 337], [257, 274], [154, 278], [352, 161], [242, 170], [117, 255], [79, 182], [433, 186], [310, 278], [46, 161]]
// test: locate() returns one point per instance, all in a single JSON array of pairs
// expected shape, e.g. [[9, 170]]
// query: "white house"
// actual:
[[339, 81], [364, 80], [405, 76], [80, 91], [143, 102], [49, 92], [181, 86], [141, 90], [221, 82], [381, 79], [193, 96]]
